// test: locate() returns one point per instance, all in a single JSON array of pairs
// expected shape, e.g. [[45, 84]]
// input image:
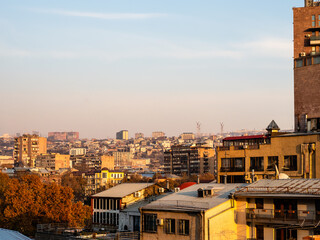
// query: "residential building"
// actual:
[[27, 147], [306, 22], [53, 161], [189, 160], [122, 157], [107, 205], [187, 136], [200, 211], [107, 161], [138, 135], [246, 158], [158, 134], [278, 209], [122, 135], [77, 151], [6, 161], [63, 136]]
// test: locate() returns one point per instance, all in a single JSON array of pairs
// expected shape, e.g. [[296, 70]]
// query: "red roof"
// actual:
[[186, 184], [244, 137]]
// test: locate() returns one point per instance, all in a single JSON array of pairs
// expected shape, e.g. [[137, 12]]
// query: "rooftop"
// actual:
[[123, 190], [281, 188], [12, 235], [188, 200]]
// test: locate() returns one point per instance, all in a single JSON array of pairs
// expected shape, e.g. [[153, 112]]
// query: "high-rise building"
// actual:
[[63, 136], [189, 160], [122, 135], [27, 148], [307, 66], [158, 134]]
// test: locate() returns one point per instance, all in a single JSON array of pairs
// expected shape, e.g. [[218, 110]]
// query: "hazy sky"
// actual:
[[99, 66]]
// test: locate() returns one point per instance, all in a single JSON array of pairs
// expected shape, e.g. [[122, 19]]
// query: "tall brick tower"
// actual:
[[306, 22]]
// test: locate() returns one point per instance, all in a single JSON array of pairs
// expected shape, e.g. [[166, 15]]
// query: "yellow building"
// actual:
[[278, 209], [201, 211], [107, 162], [243, 158], [27, 147]]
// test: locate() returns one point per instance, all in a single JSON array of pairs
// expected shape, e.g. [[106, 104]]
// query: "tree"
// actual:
[[77, 184], [26, 202]]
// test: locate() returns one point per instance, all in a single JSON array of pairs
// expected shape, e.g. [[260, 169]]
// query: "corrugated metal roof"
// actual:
[[188, 200], [6, 234], [282, 187], [123, 190]]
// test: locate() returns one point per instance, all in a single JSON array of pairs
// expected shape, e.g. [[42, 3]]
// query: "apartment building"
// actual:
[[77, 151], [278, 209], [189, 160], [107, 205], [306, 22], [158, 134], [243, 158], [54, 161], [122, 135], [187, 136], [201, 211], [27, 147], [63, 136]]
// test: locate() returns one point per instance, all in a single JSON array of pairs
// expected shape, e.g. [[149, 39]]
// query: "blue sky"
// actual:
[[100, 66]]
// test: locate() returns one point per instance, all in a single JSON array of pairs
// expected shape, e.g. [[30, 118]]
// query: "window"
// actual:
[[259, 232], [316, 60], [170, 226], [256, 163], [104, 175], [313, 19], [318, 20], [184, 227], [272, 161], [259, 203], [290, 163], [149, 223]]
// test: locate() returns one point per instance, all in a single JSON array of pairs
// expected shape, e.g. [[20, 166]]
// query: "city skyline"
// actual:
[[144, 67]]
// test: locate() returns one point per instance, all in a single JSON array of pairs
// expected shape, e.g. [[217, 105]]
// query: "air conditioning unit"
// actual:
[[302, 54], [161, 190], [177, 189], [137, 194], [159, 222]]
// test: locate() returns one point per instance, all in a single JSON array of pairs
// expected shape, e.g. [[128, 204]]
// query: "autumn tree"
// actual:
[[26, 202], [77, 184]]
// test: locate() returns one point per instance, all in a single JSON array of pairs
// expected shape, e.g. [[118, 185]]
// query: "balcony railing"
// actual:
[[278, 215], [232, 169]]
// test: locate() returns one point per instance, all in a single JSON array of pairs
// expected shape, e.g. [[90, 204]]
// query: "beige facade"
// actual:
[[107, 162], [53, 161], [27, 148], [297, 155]]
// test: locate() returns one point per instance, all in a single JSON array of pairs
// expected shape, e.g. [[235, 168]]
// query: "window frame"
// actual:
[[184, 227]]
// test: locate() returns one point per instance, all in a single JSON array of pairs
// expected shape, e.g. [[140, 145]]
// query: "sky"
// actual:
[[100, 66]]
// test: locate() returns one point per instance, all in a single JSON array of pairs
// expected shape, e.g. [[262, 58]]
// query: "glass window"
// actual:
[[313, 18], [272, 161], [299, 63], [170, 226], [290, 163], [256, 163], [184, 227], [316, 60], [150, 222]]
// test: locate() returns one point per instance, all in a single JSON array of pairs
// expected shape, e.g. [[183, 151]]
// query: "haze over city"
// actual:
[[100, 66]]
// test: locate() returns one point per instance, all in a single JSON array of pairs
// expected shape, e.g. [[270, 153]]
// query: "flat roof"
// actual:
[[245, 137], [309, 188], [12, 235], [123, 190], [188, 200]]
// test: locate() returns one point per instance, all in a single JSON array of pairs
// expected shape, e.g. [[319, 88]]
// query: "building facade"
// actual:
[[306, 22], [158, 134], [249, 158], [54, 161], [122, 135], [27, 148], [189, 160], [63, 136]]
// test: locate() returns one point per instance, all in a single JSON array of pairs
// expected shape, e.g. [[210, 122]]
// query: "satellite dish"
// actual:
[[283, 176]]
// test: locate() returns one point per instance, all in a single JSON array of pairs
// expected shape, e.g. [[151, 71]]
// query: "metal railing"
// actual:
[[232, 169], [281, 215]]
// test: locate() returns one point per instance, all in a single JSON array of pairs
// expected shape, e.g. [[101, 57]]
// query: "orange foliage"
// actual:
[[26, 202]]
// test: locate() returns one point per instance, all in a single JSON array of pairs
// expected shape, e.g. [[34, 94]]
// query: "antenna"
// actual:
[[221, 128]]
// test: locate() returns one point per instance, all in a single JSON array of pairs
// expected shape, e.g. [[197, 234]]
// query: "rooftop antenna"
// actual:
[[221, 128]]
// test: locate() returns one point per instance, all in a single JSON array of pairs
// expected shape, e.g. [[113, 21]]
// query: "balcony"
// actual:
[[232, 169], [281, 216], [314, 40]]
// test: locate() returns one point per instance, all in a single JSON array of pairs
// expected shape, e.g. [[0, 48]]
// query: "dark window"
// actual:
[[94, 203], [150, 222], [260, 233], [259, 203], [170, 226], [184, 227], [299, 63], [290, 163], [316, 60], [272, 161], [313, 18], [232, 164], [256, 163]]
